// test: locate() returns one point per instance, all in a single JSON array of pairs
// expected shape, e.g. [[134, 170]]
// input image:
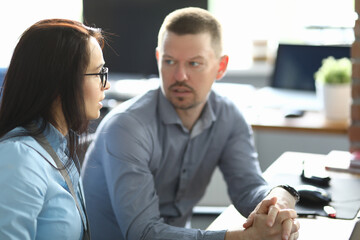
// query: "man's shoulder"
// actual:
[[141, 109], [220, 102], [226, 110]]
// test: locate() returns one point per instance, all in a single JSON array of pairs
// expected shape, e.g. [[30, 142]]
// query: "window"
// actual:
[[17, 15], [248, 23], [245, 23]]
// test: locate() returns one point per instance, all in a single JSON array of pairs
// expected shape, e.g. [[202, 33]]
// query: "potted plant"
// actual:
[[333, 86]]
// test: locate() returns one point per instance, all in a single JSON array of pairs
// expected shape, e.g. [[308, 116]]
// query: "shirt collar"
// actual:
[[166, 110], [57, 141], [168, 115]]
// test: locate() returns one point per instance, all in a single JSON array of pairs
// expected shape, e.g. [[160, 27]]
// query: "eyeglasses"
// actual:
[[103, 75]]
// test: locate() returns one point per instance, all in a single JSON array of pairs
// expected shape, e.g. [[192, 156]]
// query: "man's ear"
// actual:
[[157, 54], [222, 67]]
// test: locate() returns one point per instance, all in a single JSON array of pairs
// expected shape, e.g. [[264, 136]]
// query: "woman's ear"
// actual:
[[222, 67]]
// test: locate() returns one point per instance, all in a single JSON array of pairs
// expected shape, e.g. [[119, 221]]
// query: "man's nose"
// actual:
[[181, 73]]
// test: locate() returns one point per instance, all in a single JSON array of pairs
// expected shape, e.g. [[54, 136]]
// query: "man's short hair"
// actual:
[[192, 20]]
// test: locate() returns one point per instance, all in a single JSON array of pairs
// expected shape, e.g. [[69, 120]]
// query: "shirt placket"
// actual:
[[184, 173]]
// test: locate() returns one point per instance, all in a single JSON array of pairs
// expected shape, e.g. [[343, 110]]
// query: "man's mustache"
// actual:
[[180, 84]]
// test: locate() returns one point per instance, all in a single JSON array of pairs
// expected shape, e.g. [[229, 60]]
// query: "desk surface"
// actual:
[[311, 121], [258, 112], [317, 228]]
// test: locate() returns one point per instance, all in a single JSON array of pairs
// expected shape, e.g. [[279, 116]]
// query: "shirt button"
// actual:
[[184, 171]]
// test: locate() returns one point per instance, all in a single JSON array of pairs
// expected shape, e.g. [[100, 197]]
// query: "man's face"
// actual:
[[188, 67]]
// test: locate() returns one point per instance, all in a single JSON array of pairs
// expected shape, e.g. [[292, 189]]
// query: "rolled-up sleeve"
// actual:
[[131, 187]]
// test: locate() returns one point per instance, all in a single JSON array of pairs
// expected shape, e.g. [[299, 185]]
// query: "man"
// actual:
[[154, 155]]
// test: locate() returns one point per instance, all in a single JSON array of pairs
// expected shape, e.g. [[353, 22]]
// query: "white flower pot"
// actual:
[[335, 100]]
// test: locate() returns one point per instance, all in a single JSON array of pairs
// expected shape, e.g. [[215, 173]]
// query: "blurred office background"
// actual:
[[248, 24], [252, 31]]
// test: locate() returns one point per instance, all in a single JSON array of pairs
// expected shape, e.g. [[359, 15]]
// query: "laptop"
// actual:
[[355, 235], [296, 64]]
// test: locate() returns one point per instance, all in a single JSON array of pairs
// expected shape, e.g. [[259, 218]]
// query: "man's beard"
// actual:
[[176, 100]]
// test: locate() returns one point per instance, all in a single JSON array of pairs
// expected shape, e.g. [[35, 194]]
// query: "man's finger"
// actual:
[[290, 225], [294, 236], [261, 208], [296, 226], [265, 205], [272, 213], [287, 227], [249, 220]]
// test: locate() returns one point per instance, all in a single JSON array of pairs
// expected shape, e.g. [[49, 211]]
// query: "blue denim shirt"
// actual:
[[34, 199]]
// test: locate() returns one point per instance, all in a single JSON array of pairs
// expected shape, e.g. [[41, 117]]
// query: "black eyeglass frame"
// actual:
[[103, 74]]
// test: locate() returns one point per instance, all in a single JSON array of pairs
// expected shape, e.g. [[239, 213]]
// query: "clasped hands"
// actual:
[[273, 220]]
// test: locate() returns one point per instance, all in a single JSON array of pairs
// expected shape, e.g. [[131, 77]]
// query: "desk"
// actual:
[[310, 122], [317, 228]]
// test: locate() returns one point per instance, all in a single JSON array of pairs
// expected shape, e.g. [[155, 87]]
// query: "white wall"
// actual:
[[17, 15]]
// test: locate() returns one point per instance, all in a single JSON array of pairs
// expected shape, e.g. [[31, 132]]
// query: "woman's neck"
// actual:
[[58, 116]]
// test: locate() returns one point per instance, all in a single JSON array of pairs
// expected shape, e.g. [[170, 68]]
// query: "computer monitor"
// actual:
[[296, 64], [131, 28]]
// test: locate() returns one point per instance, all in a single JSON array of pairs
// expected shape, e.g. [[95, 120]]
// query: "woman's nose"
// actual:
[[107, 86]]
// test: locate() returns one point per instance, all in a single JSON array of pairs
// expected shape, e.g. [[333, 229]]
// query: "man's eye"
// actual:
[[169, 61], [194, 64]]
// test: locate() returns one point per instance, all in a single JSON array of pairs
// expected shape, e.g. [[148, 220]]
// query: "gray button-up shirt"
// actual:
[[145, 171]]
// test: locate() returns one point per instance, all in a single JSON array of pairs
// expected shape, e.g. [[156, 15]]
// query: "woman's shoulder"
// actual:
[[22, 152], [22, 169]]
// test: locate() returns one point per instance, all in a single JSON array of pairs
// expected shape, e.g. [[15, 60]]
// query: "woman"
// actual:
[[54, 85]]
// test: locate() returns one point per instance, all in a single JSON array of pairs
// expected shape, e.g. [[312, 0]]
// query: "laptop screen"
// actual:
[[296, 64]]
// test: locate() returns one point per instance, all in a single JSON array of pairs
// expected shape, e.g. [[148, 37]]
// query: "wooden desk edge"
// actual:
[[340, 131]]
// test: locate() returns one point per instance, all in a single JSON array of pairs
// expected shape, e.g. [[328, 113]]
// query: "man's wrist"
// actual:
[[292, 191], [238, 235]]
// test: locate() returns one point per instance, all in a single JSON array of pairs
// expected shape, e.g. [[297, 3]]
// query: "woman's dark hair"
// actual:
[[48, 64]]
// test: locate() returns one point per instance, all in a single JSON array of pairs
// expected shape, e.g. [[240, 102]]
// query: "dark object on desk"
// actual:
[[329, 210], [315, 180], [343, 187], [293, 113], [311, 195]]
